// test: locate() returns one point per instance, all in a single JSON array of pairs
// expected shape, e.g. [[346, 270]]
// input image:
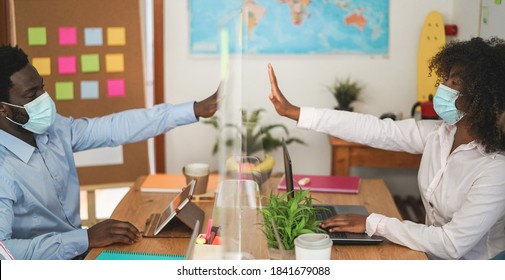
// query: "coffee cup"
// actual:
[[313, 246], [198, 172]]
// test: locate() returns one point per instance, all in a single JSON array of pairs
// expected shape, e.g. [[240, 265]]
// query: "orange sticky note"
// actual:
[[43, 65], [116, 36], [114, 62]]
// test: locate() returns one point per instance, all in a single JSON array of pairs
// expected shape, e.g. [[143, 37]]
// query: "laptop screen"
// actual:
[[288, 170]]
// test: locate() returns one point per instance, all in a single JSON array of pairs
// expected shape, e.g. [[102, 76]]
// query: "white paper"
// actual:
[[99, 157]]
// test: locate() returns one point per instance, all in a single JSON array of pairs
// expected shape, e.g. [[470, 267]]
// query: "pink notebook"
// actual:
[[320, 183]]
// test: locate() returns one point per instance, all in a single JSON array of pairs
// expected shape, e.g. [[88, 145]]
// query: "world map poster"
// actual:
[[290, 26]]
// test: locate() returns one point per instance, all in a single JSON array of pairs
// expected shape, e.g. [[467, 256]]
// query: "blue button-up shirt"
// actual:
[[39, 187]]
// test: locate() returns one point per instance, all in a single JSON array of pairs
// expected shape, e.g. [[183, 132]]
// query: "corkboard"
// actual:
[[80, 16]]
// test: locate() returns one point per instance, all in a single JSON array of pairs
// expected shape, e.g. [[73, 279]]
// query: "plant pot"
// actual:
[[277, 254], [350, 109]]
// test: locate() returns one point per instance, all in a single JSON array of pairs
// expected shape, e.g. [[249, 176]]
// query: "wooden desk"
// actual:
[[136, 207], [346, 154]]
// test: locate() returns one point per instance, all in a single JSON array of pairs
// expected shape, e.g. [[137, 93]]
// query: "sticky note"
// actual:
[[114, 62], [64, 90], [67, 35], [115, 88], [89, 89], [116, 36], [43, 65], [37, 36], [90, 63], [225, 53], [93, 36], [485, 15], [66, 65]]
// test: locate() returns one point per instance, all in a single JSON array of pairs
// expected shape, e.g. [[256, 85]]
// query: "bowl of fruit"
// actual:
[[250, 168]]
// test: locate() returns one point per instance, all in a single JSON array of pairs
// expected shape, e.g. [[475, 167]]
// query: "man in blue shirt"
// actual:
[[39, 187]]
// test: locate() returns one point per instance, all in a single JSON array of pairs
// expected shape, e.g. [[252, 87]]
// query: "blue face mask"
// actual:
[[444, 104], [41, 112]]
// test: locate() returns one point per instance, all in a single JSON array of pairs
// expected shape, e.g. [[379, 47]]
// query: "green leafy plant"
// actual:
[[255, 138], [292, 218], [345, 92]]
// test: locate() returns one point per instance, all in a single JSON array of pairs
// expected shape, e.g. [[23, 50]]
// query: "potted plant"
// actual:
[[255, 139], [290, 218], [345, 92]]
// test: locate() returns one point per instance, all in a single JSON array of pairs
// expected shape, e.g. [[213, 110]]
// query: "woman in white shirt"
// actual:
[[462, 173]]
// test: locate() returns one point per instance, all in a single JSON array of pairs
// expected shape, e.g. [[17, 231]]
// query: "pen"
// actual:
[[213, 233], [207, 234], [211, 237]]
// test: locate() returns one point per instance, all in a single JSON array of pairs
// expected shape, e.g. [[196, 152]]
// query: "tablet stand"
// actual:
[[181, 225]]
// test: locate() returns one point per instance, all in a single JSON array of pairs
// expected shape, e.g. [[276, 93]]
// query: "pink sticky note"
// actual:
[[115, 88], [66, 65], [68, 35]]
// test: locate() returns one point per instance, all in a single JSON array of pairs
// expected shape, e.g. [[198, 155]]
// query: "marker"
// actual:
[[209, 228]]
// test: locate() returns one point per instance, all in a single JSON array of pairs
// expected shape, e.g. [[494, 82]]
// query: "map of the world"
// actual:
[[289, 26]]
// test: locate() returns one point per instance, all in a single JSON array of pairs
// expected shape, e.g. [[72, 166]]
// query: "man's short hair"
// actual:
[[12, 59]]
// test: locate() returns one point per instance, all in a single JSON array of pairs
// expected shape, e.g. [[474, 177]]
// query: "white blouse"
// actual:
[[463, 192]]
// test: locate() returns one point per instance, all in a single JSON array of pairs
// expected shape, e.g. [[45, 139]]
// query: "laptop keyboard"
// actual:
[[326, 213]]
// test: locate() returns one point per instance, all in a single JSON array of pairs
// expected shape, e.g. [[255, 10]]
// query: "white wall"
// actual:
[[390, 84]]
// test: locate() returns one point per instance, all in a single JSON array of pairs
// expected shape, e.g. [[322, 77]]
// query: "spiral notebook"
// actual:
[[123, 255]]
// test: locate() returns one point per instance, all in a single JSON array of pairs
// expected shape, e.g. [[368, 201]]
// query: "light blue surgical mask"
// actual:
[[444, 104], [41, 112]]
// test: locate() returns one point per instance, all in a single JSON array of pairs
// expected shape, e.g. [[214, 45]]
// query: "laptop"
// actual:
[[343, 238]]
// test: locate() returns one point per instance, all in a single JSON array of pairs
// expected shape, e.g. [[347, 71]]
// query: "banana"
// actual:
[[266, 165], [231, 164]]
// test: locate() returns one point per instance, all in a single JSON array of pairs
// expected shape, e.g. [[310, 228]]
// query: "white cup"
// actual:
[[313, 246], [198, 172]]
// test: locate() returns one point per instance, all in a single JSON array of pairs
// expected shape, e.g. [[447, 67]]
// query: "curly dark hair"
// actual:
[[12, 59], [483, 85]]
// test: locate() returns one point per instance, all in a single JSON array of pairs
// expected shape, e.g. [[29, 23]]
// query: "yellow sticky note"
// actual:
[[114, 62], [116, 36], [43, 65]]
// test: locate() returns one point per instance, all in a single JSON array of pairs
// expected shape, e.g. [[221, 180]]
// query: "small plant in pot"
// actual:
[[291, 218], [345, 92]]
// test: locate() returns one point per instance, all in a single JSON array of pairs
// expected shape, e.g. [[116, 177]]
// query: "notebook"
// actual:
[[163, 183], [327, 211], [319, 183], [123, 255], [172, 183]]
